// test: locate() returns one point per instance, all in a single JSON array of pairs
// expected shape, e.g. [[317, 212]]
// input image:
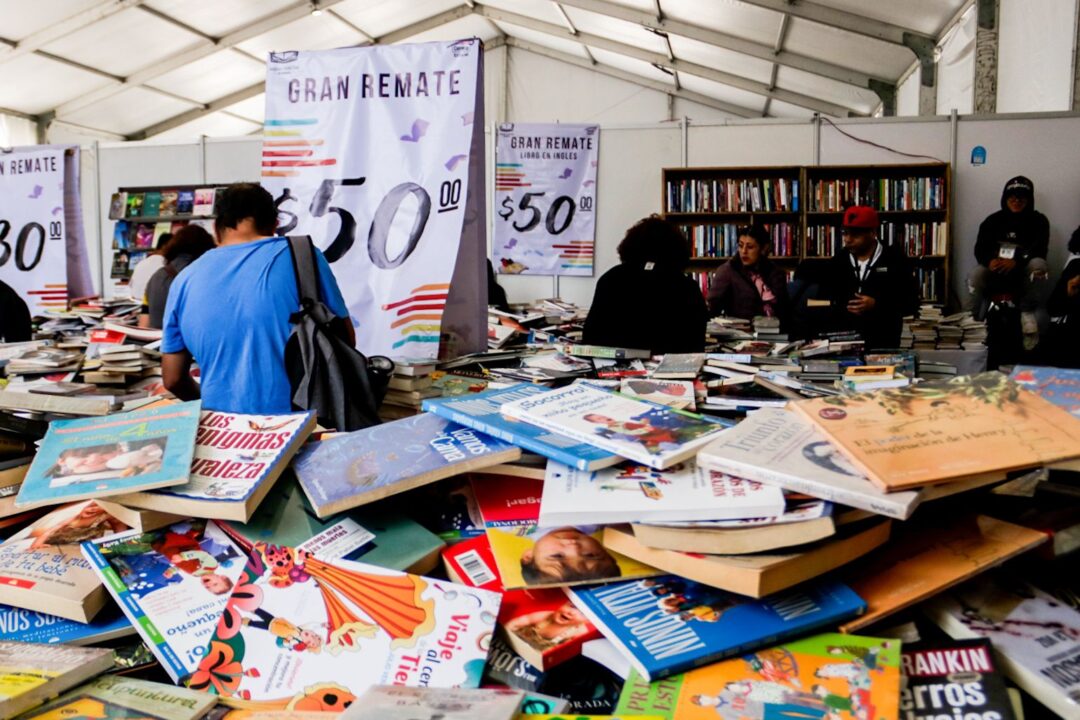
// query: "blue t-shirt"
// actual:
[[230, 309]]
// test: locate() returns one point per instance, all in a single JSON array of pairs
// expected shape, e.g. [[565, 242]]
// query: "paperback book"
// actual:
[[31, 673], [678, 394], [667, 625], [544, 627], [391, 702], [115, 697], [957, 679], [685, 366], [37, 627]]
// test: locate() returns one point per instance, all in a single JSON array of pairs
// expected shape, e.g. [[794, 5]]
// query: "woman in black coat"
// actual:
[[646, 301], [1064, 310], [749, 285]]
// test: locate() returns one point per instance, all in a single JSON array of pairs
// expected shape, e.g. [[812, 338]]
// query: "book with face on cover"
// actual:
[[115, 697], [940, 431], [237, 459], [390, 702], [823, 676], [957, 679], [300, 633], [31, 673], [644, 432]]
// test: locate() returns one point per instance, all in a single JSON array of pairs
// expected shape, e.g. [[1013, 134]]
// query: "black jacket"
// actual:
[[890, 281], [733, 293], [1065, 314], [661, 310], [14, 316], [1028, 230]]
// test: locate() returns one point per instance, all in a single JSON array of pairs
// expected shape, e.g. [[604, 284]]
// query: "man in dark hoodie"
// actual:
[[1011, 250]]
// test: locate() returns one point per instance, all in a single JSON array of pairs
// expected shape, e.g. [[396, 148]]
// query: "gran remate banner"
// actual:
[[545, 198], [375, 153]]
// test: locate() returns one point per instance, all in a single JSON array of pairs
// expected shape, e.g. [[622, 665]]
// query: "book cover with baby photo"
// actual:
[[111, 455]]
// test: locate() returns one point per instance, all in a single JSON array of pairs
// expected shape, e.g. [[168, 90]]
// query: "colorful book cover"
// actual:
[[957, 679], [112, 455], [480, 411], [1060, 386], [161, 228], [31, 673], [173, 584], [203, 201], [472, 563], [678, 394], [454, 385], [828, 676], [667, 625], [637, 493], [300, 633], [121, 236], [38, 627], [185, 202], [939, 431], [360, 467], [644, 432], [390, 702], [544, 627], [144, 236], [115, 697], [168, 203], [134, 205], [151, 203], [117, 205]]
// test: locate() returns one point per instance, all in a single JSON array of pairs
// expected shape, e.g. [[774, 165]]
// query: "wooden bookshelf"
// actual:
[[802, 207]]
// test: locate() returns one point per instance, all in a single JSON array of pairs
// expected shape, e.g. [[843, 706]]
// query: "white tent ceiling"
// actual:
[[142, 68]]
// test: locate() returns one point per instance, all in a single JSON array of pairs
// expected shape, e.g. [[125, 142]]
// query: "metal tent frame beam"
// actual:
[[846, 21], [67, 26]]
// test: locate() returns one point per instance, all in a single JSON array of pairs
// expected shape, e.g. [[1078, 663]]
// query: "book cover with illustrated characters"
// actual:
[[939, 431], [1060, 386], [826, 677], [173, 584], [237, 459], [667, 625], [480, 411], [113, 697], [678, 394], [954, 679], [300, 633], [37, 627], [111, 455], [637, 493], [353, 469], [31, 673], [42, 569], [647, 433], [389, 702]]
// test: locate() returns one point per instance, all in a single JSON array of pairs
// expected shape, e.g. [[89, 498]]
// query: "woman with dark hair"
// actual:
[[185, 247], [748, 284], [145, 268], [646, 301], [1064, 310]]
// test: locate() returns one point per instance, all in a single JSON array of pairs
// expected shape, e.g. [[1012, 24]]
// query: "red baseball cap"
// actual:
[[861, 217]]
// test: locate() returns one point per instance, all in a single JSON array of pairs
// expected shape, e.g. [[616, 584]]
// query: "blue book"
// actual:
[[34, 627], [1058, 385], [480, 411], [360, 467], [668, 625], [101, 456]]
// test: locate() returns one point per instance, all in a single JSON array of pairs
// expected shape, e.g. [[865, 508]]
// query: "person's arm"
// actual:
[[986, 244], [176, 375]]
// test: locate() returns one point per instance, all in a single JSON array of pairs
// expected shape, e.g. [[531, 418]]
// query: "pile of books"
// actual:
[[931, 330]]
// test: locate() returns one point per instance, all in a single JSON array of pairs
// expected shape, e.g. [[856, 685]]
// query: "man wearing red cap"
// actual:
[[871, 286]]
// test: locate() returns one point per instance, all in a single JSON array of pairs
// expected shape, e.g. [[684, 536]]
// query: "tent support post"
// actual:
[[986, 56]]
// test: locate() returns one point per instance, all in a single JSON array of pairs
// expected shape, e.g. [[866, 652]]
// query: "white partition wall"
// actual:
[[751, 142]]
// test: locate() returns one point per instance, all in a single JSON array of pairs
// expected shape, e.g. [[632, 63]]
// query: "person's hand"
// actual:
[[1073, 286], [861, 304]]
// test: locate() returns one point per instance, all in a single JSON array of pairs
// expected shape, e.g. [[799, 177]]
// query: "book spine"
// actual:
[[599, 442]]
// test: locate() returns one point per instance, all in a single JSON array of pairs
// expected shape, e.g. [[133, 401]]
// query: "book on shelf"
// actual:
[[34, 673], [134, 204], [169, 199], [392, 702], [736, 195], [881, 193], [113, 696], [185, 202], [721, 241], [957, 679], [151, 203], [118, 206], [203, 202]]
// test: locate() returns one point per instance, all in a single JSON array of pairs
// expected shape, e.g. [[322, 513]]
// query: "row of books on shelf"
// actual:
[[913, 193], [931, 283], [198, 202], [723, 240], [733, 195], [918, 239]]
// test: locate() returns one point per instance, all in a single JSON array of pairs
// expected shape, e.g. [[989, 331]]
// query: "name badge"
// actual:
[[1007, 251], [881, 269]]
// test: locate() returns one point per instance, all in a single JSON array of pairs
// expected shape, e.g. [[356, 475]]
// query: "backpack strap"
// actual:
[[304, 268]]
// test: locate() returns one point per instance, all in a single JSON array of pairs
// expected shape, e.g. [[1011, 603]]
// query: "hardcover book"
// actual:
[[644, 432], [37, 627], [360, 467], [678, 394], [172, 584], [113, 455], [1060, 386], [939, 431], [637, 493], [32, 673], [667, 625], [390, 702], [957, 679], [480, 411], [237, 459], [115, 697], [300, 633], [824, 676]]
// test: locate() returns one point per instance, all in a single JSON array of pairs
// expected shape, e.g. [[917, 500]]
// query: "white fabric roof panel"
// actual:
[[214, 125], [860, 99], [129, 111], [308, 33], [212, 77], [925, 16], [540, 9], [721, 59], [254, 108], [569, 47], [843, 48], [727, 16], [633, 65], [466, 27], [617, 30], [22, 18], [753, 102], [219, 17], [34, 84], [379, 17]]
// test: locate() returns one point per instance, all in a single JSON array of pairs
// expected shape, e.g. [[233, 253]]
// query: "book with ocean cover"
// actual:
[[31, 673], [667, 625], [113, 697], [480, 411]]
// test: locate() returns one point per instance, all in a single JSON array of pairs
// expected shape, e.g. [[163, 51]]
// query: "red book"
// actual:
[[543, 626], [471, 563]]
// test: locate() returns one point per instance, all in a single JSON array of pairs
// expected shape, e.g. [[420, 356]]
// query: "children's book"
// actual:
[[134, 204], [957, 679], [185, 202], [173, 585], [32, 673], [115, 697], [680, 366], [357, 468], [638, 493], [391, 702], [1060, 386], [237, 459], [678, 394], [667, 625], [982, 423], [42, 569], [1036, 638], [112, 455], [203, 202], [33, 626], [644, 432], [480, 411], [301, 633], [823, 676], [168, 203]]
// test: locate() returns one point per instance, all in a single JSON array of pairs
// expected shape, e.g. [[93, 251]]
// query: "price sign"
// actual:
[[367, 150], [33, 255], [545, 198]]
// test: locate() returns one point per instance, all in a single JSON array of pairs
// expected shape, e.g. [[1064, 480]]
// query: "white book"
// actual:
[[632, 493], [392, 702], [645, 432]]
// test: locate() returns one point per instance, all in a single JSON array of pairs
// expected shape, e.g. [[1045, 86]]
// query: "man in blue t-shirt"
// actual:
[[229, 311]]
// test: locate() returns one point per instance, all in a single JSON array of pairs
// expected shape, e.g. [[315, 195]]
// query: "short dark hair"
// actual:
[[758, 234], [246, 200], [654, 239], [162, 241], [189, 240], [1074, 241]]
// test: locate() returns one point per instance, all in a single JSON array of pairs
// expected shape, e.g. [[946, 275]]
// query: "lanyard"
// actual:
[[863, 272]]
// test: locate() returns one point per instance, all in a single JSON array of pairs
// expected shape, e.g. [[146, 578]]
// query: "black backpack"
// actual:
[[326, 373]]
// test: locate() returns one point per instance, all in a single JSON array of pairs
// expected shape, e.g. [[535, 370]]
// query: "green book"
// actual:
[[152, 203]]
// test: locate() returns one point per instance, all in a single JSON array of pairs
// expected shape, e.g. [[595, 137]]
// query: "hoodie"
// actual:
[[1028, 229]]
